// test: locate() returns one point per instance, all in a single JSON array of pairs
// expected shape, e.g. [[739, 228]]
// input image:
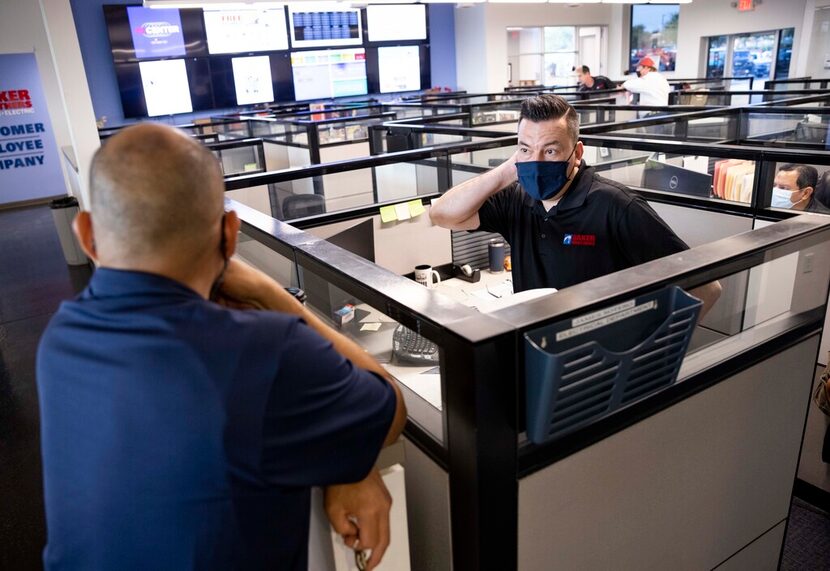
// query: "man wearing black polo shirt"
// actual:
[[565, 223]]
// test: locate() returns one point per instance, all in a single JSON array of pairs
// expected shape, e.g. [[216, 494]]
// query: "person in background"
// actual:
[[795, 188], [177, 432], [587, 82], [565, 223], [652, 87]]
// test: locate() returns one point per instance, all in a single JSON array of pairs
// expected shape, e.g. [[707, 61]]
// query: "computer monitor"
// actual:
[[671, 178]]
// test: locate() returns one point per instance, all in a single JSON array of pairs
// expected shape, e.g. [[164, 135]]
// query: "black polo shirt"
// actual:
[[598, 227]]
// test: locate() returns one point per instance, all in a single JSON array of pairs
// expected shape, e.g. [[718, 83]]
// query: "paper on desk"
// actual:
[[402, 211], [388, 214], [370, 326], [416, 207]]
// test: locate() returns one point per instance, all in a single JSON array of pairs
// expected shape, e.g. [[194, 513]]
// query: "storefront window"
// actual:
[[654, 34]]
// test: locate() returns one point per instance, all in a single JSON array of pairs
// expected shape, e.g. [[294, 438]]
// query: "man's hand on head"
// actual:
[[360, 513]]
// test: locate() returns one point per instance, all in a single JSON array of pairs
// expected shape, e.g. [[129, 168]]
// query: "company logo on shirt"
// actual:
[[157, 30], [15, 102], [580, 240]]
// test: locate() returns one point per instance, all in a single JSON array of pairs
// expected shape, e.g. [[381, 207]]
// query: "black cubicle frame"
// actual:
[[483, 452]]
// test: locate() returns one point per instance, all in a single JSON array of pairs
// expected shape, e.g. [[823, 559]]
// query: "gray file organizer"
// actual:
[[582, 369]]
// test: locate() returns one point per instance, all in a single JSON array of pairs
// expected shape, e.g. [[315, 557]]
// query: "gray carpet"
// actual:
[[807, 546]]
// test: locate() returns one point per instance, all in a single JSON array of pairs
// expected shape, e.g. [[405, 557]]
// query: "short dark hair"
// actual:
[[807, 175], [584, 68], [549, 107]]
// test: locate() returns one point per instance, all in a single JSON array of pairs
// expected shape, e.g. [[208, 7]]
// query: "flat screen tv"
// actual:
[[323, 74], [396, 22], [311, 29], [245, 31]]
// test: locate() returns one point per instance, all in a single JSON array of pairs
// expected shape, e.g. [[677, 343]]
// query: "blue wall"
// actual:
[[442, 45], [100, 71]]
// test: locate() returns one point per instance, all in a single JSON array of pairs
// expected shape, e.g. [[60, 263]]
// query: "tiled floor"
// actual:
[[33, 281]]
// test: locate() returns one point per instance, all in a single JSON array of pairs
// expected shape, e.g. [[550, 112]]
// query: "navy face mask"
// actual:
[[542, 180]]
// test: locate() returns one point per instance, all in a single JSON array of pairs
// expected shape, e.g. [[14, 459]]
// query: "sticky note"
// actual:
[[402, 211], [416, 207], [370, 327], [388, 214], [250, 167]]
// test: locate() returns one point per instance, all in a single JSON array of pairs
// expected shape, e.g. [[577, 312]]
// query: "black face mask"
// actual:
[[217, 283], [639, 73]]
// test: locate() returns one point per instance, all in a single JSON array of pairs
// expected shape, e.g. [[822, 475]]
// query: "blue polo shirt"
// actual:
[[179, 434]]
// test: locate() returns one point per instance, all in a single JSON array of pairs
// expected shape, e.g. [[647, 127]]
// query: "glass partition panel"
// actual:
[[716, 128], [410, 357], [800, 127], [241, 160], [230, 129], [280, 267], [801, 187], [730, 180], [761, 297]]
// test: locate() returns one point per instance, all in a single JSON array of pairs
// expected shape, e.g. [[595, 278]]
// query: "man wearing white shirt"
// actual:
[[652, 87]]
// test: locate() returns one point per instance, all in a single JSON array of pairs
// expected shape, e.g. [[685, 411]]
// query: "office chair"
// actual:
[[302, 205]]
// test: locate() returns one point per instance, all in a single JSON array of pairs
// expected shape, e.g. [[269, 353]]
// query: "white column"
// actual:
[[74, 98]]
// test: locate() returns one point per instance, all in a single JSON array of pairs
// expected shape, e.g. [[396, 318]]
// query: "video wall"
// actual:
[[170, 61]]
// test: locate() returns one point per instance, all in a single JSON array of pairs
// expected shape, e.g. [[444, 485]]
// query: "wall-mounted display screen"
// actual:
[[317, 29], [166, 90], [156, 33], [399, 68], [240, 31], [322, 74], [252, 80], [396, 22], [137, 33]]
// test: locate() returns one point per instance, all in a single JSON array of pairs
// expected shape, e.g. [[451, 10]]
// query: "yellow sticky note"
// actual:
[[416, 207], [250, 167], [388, 214], [402, 211]]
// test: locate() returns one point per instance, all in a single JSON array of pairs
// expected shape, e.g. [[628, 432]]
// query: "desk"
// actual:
[[373, 330]]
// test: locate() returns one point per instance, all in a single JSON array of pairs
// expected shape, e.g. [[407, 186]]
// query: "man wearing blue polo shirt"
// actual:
[[178, 433]]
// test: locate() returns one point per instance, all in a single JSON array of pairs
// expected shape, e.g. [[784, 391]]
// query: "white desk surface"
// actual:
[[493, 291]]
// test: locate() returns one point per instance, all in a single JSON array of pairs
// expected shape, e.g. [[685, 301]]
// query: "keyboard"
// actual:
[[410, 347]]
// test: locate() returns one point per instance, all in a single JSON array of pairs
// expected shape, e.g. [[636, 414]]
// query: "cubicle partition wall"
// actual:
[[795, 83], [734, 98], [653, 480], [705, 192]]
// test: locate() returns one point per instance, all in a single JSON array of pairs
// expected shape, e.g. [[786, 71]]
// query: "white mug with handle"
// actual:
[[426, 276]]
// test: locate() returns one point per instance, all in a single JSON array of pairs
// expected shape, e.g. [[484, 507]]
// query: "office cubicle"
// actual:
[[795, 83], [616, 487]]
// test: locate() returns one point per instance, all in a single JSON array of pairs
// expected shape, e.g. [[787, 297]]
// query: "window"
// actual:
[[654, 34], [547, 55], [760, 55]]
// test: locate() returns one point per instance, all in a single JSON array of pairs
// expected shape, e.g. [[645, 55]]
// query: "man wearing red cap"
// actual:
[[652, 87]]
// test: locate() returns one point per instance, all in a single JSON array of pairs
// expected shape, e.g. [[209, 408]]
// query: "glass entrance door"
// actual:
[[753, 55]]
